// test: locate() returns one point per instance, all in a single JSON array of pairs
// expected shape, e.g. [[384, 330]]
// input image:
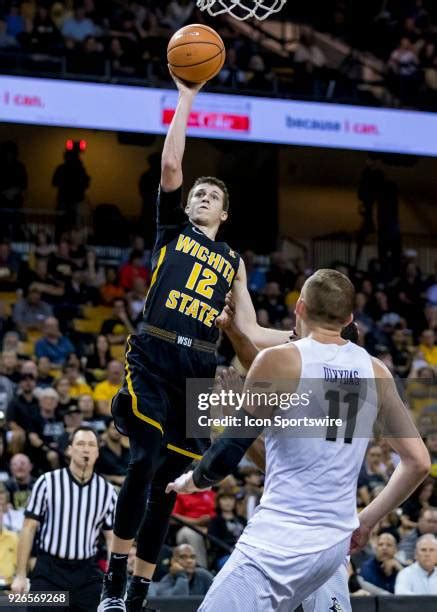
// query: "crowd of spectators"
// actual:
[[63, 331], [128, 39], [127, 33], [402, 34]]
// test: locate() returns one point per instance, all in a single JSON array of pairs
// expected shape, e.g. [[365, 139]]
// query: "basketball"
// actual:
[[196, 53]]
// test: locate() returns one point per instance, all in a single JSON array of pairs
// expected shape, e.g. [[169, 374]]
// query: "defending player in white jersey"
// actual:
[[301, 531]]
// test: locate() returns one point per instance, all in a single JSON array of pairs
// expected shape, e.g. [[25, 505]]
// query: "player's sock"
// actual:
[[117, 563], [114, 583], [137, 593]]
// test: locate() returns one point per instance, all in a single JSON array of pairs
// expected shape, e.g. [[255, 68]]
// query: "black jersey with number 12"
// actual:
[[191, 274]]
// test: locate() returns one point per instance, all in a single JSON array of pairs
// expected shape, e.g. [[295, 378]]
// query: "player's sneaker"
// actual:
[[112, 604], [112, 599]]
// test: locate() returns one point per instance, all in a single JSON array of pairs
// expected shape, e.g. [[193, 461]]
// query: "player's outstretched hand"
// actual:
[[183, 484], [359, 539], [226, 317], [185, 87]]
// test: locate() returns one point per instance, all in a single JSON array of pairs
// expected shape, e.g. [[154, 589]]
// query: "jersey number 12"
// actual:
[[203, 285]]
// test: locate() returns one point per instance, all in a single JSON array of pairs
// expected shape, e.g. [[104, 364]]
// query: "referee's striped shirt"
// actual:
[[71, 514]]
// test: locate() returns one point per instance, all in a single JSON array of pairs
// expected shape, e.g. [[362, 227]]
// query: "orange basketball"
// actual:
[[196, 53]]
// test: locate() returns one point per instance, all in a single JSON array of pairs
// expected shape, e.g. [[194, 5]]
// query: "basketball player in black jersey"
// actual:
[[185, 305]]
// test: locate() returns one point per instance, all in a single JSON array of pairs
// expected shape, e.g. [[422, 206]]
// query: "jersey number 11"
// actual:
[[351, 399]]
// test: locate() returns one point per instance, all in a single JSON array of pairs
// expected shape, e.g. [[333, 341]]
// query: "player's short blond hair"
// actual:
[[329, 297], [212, 180]]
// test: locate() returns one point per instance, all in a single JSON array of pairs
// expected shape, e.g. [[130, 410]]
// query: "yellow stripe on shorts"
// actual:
[[182, 451], [135, 410]]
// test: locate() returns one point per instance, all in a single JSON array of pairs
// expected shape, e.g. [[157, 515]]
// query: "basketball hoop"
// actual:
[[242, 9]]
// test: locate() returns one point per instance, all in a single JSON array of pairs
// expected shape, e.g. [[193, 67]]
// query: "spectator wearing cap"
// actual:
[[105, 391], [114, 457], [53, 344], [420, 578], [384, 567], [183, 578], [31, 312], [21, 481], [427, 523], [22, 415], [72, 420], [44, 437], [427, 347], [389, 320]]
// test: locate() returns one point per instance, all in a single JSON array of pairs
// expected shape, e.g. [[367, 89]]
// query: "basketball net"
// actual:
[[241, 9]]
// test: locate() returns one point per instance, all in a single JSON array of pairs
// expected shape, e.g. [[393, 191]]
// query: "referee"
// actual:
[[71, 506]]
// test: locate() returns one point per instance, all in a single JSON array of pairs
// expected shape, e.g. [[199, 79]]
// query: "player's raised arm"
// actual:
[[397, 427], [245, 316], [174, 144], [243, 346]]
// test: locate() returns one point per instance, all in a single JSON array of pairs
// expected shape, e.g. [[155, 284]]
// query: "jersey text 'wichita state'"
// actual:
[[191, 274]]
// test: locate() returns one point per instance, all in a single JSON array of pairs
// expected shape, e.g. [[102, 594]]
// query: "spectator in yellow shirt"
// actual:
[[8, 553], [78, 386], [428, 347], [105, 391]]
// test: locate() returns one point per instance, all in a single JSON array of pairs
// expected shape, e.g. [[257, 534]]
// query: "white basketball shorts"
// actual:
[[255, 580]]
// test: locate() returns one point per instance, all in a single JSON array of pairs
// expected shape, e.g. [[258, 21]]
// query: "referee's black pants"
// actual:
[[82, 579]]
